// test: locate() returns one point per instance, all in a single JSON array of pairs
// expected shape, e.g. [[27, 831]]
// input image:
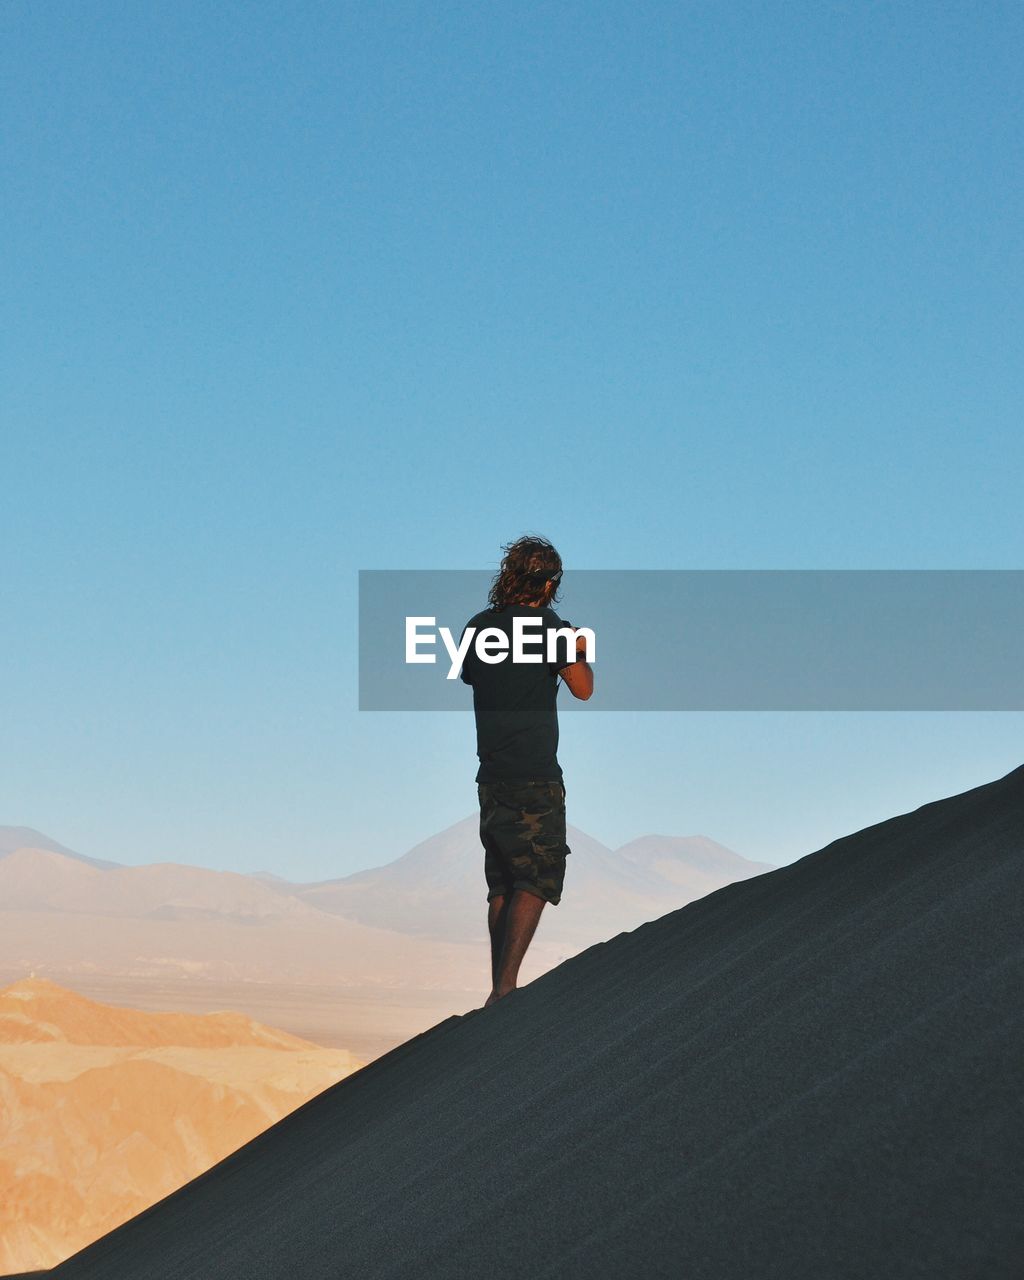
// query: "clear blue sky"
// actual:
[[297, 289]]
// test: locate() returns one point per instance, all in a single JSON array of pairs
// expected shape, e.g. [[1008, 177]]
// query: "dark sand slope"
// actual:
[[813, 1073]]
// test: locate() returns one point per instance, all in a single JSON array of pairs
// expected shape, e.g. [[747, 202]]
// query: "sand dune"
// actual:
[[105, 1110], [813, 1073]]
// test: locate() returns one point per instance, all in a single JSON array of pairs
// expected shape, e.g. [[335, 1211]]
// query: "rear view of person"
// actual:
[[519, 782]]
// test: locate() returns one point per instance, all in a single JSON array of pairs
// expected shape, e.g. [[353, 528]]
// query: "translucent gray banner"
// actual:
[[728, 639]]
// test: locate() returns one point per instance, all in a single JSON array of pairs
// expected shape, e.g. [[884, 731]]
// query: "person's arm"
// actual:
[[579, 679], [579, 675]]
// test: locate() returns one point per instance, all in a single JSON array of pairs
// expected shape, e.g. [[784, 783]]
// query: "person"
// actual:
[[520, 785]]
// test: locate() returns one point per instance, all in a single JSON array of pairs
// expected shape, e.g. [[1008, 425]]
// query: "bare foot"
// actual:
[[495, 996]]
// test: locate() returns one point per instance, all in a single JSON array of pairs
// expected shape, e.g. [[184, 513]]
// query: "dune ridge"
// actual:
[[811, 1073]]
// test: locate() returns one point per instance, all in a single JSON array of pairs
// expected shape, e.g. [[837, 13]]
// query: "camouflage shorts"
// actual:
[[522, 829]]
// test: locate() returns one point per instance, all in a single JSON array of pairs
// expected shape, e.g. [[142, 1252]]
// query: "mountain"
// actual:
[[104, 1110], [692, 862], [61, 917], [811, 1073], [437, 889], [13, 838], [419, 921], [33, 879]]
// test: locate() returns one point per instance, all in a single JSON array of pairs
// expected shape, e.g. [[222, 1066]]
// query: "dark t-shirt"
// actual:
[[514, 702]]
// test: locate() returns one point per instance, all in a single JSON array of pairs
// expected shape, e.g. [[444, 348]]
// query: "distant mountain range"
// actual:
[[14, 838], [435, 893], [363, 962]]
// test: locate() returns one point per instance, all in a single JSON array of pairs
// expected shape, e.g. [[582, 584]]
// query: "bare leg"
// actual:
[[497, 914], [521, 917]]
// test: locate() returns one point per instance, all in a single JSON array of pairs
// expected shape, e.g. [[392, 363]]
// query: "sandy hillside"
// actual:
[[105, 1110], [811, 1074]]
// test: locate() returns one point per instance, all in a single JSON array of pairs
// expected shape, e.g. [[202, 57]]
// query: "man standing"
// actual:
[[519, 782]]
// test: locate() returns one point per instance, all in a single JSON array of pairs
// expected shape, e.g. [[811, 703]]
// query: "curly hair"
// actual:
[[528, 564]]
